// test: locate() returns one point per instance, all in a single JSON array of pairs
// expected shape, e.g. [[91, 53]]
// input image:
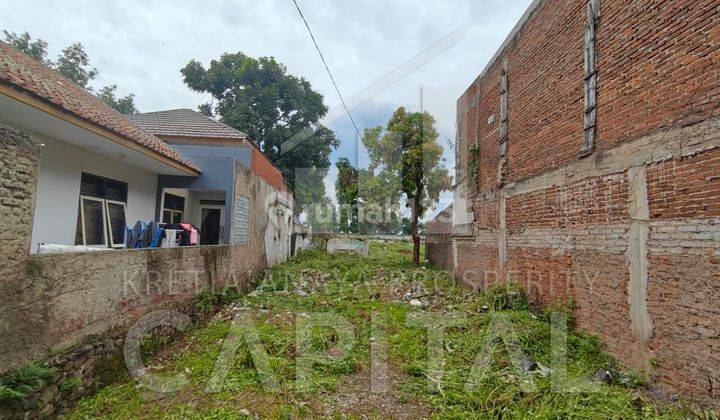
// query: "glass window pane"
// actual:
[[167, 216], [92, 186], [116, 216], [177, 217], [174, 202], [94, 226], [115, 190], [97, 186]]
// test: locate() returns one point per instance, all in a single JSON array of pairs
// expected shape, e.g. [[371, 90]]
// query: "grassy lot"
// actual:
[[369, 294]]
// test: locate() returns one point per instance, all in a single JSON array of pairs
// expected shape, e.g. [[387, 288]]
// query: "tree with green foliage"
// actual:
[[125, 105], [73, 63], [379, 198], [259, 97], [36, 49], [408, 149], [346, 188], [380, 192], [322, 216]]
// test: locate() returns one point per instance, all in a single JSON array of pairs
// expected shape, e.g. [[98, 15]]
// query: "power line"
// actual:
[[337, 89]]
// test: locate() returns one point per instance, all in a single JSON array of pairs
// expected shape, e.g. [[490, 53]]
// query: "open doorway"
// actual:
[[211, 224]]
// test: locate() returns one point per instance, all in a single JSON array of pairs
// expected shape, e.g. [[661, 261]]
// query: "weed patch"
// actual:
[[316, 319]]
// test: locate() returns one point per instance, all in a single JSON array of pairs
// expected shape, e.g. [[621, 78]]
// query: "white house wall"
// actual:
[[58, 190]]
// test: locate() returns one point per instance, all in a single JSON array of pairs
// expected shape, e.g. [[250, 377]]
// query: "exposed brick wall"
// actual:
[[658, 64], [631, 232], [682, 300], [438, 251], [487, 214], [263, 167], [546, 91], [477, 265], [685, 188], [591, 201], [600, 292], [438, 245], [545, 273], [480, 127]]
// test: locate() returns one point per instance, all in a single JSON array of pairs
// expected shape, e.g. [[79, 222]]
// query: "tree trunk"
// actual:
[[414, 230]]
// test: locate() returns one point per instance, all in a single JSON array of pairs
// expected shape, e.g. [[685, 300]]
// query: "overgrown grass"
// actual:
[[355, 288]]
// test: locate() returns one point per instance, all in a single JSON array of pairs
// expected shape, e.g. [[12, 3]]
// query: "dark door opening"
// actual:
[[210, 227]]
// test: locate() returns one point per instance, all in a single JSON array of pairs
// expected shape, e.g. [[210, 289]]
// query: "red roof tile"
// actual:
[[23, 72]]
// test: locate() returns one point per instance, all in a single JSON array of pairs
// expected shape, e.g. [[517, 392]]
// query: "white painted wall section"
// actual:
[[58, 190]]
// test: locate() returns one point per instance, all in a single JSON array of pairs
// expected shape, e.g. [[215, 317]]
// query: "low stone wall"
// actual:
[[68, 297], [76, 308]]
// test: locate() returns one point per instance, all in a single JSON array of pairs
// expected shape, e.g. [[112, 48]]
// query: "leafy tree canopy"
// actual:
[[36, 49], [125, 105], [73, 63], [408, 156], [346, 187], [259, 97]]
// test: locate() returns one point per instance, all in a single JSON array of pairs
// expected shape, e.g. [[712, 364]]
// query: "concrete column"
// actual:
[[638, 234], [455, 255], [502, 234]]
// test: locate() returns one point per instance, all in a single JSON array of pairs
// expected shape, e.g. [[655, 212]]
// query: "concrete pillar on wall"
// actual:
[[590, 110], [503, 122], [502, 234], [637, 255], [18, 182], [22, 318]]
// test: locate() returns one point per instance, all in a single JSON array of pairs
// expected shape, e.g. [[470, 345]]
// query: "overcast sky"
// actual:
[[140, 45]]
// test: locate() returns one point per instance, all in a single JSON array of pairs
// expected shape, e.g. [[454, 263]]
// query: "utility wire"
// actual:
[[337, 89]]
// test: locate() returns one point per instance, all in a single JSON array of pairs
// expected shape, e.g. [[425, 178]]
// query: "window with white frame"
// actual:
[[173, 208], [102, 212]]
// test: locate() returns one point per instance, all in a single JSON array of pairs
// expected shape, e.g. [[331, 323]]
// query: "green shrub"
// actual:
[[16, 386], [509, 297], [208, 300], [69, 384]]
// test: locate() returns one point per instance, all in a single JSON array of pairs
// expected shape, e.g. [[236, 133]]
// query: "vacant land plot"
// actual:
[[347, 335]]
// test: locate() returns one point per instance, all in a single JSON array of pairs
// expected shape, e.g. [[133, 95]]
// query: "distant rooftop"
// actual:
[[185, 123]]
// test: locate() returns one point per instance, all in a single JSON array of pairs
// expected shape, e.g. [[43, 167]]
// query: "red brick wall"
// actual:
[[477, 264], [600, 292], [576, 226], [487, 214], [682, 301], [591, 201], [658, 63], [545, 102], [263, 167], [685, 188]]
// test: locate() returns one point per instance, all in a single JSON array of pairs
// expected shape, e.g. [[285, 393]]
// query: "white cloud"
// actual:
[[140, 45]]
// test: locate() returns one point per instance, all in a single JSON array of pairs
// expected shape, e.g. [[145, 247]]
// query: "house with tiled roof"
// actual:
[[101, 172], [178, 203], [205, 200]]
